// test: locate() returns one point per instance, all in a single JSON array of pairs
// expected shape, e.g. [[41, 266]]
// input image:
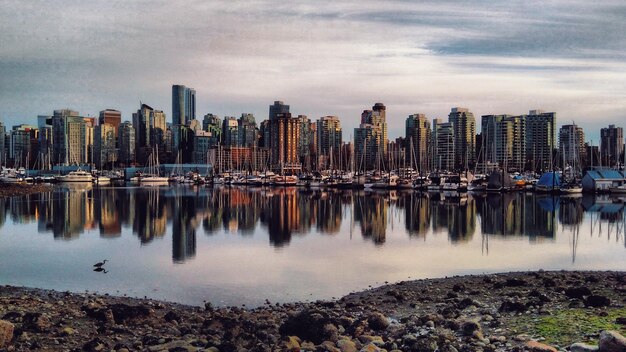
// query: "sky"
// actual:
[[324, 57]]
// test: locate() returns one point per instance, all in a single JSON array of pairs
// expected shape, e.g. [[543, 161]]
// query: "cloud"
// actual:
[[327, 58]]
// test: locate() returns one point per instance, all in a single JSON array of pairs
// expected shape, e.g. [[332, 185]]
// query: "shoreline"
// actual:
[[15, 190], [493, 312]]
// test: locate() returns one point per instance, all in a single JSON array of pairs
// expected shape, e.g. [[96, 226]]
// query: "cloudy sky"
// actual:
[[322, 57]]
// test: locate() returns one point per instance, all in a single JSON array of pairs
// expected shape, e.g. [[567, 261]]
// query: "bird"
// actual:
[[99, 269], [100, 264]]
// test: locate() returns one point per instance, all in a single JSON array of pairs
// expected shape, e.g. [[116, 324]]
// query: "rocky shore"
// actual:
[[12, 189], [536, 311]]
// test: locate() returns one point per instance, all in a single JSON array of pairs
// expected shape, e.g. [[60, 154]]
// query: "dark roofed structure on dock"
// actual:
[[600, 180]]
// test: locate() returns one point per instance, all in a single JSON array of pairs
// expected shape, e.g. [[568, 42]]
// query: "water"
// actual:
[[236, 246]]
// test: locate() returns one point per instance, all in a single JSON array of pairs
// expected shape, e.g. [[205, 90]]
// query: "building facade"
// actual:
[[443, 140], [69, 138], [105, 153], [417, 146], [540, 140], [183, 104], [572, 153], [371, 139], [503, 142], [464, 125], [612, 146], [112, 117], [329, 141], [127, 143]]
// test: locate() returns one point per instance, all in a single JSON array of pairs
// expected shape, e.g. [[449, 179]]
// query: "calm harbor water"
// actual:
[[234, 246]]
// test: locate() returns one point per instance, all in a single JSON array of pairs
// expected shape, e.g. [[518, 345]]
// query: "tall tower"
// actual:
[[611, 145], [370, 138], [284, 138], [572, 146], [112, 117], [540, 139], [464, 126], [329, 139], [183, 104], [418, 142]]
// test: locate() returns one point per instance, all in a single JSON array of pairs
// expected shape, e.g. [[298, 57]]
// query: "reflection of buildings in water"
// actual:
[[282, 216], [150, 220], [327, 212], [571, 211], [183, 228], [107, 213], [371, 213], [517, 214], [418, 216], [3, 213], [606, 214], [456, 214], [71, 211], [233, 209]]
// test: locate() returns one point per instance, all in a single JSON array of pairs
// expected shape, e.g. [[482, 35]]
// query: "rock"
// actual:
[[346, 345], [577, 292], [371, 348], [582, 347], [515, 282], [291, 343], [311, 325], [367, 339], [102, 314], [620, 320], [95, 345], [67, 331], [377, 321], [171, 315], [470, 327], [512, 306], [611, 341], [173, 346], [36, 322], [123, 312], [597, 301], [534, 346], [330, 347], [6, 333]]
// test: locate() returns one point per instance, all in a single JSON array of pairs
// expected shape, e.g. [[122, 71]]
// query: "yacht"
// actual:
[[76, 176]]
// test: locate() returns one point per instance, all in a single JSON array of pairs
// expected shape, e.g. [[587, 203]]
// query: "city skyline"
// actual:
[[328, 59]]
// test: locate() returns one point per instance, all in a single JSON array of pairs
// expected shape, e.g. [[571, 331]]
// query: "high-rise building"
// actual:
[[264, 134], [329, 141], [248, 131], [612, 145], [504, 142], [278, 108], [105, 153], [150, 129], [3, 151], [112, 117], [127, 143], [304, 143], [201, 147], [284, 137], [418, 142], [23, 147], [44, 125], [444, 150], [370, 138], [230, 132], [464, 126], [213, 124], [572, 153], [183, 104], [69, 140], [540, 139]]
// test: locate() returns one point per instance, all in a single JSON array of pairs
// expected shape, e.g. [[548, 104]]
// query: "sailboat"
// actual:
[[152, 176]]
